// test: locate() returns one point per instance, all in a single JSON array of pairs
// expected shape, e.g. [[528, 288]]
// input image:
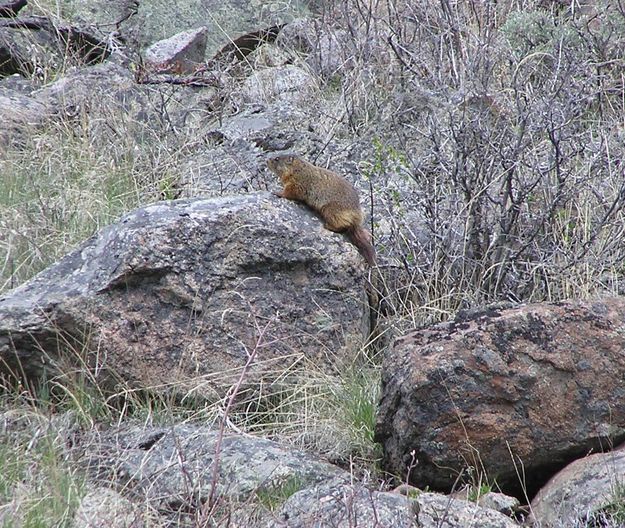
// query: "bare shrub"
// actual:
[[500, 168]]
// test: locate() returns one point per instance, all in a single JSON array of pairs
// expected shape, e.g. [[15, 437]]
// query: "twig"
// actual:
[[234, 390]]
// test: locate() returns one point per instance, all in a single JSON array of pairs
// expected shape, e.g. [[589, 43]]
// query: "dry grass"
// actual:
[[61, 187], [333, 416]]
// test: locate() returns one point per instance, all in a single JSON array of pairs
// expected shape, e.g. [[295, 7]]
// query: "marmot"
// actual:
[[327, 193]]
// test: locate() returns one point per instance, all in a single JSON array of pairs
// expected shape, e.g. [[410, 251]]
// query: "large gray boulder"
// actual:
[[531, 387], [185, 293], [173, 469]]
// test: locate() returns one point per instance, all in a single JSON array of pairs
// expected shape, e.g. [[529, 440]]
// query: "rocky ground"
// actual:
[[181, 347]]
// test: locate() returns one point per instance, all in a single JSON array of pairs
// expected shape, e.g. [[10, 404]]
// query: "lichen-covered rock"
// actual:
[[536, 386], [13, 57], [327, 50], [298, 35], [225, 167], [331, 54], [181, 294], [590, 487], [11, 8], [441, 511], [268, 56], [15, 85], [100, 91], [18, 115], [172, 468], [336, 504], [104, 99], [37, 47]]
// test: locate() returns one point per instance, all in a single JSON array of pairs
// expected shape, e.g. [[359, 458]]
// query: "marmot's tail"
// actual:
[[361, 238]]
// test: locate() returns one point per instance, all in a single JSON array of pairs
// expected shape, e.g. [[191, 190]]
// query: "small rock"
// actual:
[[499, 502], [268, 56], [15, 84], [181, 53], [30, 52], [20, 115], [339, 505], [238, 159], [282, 82], [105, 507], [12, 8], [330, 53]]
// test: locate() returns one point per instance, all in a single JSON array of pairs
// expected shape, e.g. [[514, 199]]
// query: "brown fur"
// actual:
[[327, 193]]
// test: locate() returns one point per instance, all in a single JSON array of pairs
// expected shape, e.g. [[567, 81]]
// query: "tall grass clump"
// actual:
[[333, 415], [39, 487], [62, 186]]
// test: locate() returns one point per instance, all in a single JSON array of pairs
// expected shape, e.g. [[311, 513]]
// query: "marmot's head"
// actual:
[[284, 164]]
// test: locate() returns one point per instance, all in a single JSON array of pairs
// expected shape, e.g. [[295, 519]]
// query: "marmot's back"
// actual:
[[329, 187]]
